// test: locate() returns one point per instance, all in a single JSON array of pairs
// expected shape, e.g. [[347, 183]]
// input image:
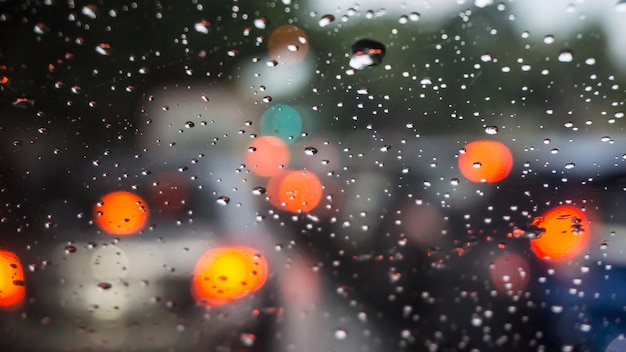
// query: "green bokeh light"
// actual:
[[282, 121]]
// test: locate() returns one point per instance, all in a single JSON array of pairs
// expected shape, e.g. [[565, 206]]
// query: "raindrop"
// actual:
[[90, 11], [570, 165], [341, 334], [491, 130], [557, 309], [326, 20], [261, 23], [483, 3], [223, 200], [548, 39], [454, 181], [202, 26], [70, 249], [105, 285], [310, 151], [566, 56], [248, 339], [103, 49], [366, 53], [486, 57], [477, 321], [257, 191], [23, 103], [41, 28], [414, 16], [189, 124]]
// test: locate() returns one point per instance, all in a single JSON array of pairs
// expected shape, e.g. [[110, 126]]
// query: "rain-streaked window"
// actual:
[[313, 175]]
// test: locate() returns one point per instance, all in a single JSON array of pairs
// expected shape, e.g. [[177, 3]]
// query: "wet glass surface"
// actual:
[[312, 176]]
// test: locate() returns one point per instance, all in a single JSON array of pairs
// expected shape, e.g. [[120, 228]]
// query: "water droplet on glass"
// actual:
[[548, 39], [103, 49], [23, 103], [477, 321], [223, 200], [248, 339], [261, 23], [70, 249], [483, 3], [566, 56], [486, 57], [41, 28], [90, 11], [310, 151], [454, 181], [491, 130], [326, 20], [366, 53], [341, 334], [202, 26], [189, 124], [104, 285], [570, 166], [257, 191]]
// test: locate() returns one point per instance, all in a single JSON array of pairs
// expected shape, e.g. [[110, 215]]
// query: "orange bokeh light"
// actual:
[[565, 233], [296, 191], [121, 213], [267, 156], [12, 286], [225, 274], [288, 44], [510, 273], [485, 161]]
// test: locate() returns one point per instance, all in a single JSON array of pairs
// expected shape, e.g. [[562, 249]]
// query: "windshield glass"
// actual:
[[312, 175]]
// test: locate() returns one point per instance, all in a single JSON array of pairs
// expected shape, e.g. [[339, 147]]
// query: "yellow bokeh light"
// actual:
[[225, 274]]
